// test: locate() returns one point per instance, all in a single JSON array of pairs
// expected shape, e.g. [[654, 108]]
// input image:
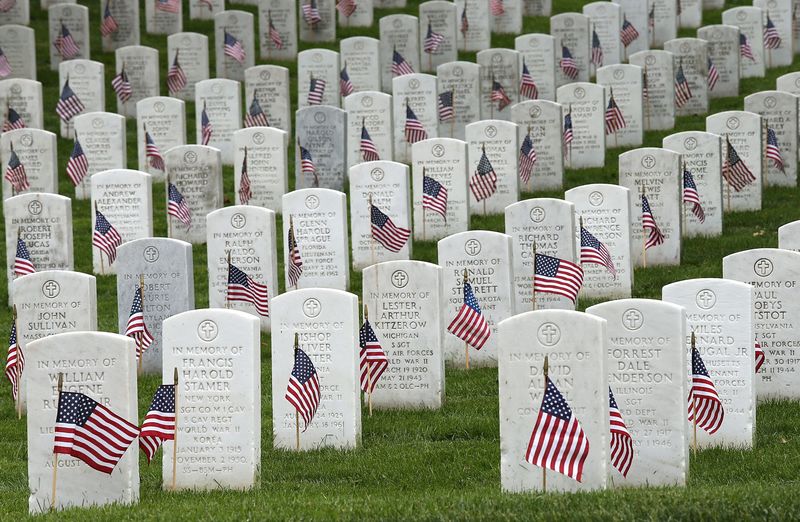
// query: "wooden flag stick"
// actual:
[[175, 435], [453, 119], [644, 238], [726, 166], [491, 102], [569, 151], [483, 152], [466, 344], [764, 163], [55, 455], [423, 203], [18, 367], [297, 413], [371, 235], [291, 232], [681, 182], [139, 344], [694, 408], [169, 221], [545, 369], [227, 301], [533, 279], [369, 369], [102, 268]]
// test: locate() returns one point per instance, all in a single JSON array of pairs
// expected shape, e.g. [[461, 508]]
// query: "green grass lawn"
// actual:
[[442, 464]]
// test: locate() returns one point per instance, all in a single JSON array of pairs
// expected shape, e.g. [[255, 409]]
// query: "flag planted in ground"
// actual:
[[372, 359], [159, 422]]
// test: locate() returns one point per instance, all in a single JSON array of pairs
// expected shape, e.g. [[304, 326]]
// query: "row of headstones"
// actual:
[[639, 346]]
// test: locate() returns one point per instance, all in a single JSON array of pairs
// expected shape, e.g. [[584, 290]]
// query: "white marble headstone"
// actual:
[[744, 131], [723, 51], [498, 140], [314, 65], [221, 99], [398, 33], [74, 19], [164, 119], [478, 34], [625, 83], [322, 130], [18, 45], [463, 80], [572, 33], [270, 85], [282, 14], [142, 69], [750, 21], [544, 121], [585, 104], [25, 97], [122, 17], [538, 53], [267, 166], [605, 19], [87, 81], [36, 151], [658, 72], [441, 17], [783, 15], [360, 54], [692, 55], [102, 136], [419, 93], [190, 50], [239, 25], [779, 112]]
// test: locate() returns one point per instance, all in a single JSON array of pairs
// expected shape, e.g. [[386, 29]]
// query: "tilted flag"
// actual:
[[735, 171], [15, 362], [275, 35], [255, 116], [385, 232], [469, 324], [233, 48], [597, 50], [311, 13], [22, 260], [243, 288], [774, 151], [15, 173], [433, 41], [446, 108], [105, 236], [557, 276], [372, 359], [307, 164], [13, 120], [152, 153], [122, 86], [368, 149], [89, 431], [568, 64], [651, 18], [484, 182], [413, 129], [464, 26], [713, 75], [499, 95], [206, 130], [316, 89], [7, 5], [176, 78], [527, 87], [345, 85], [177, 207], [295, 262], [628, 33], [569, 135], [168, 6], [761, 357], [69, 105], [654, 235], [5, 65], [621, 440], [65, 44], [245, 188], [136, 328], [772, 39], [705, 407], [109, 24], [400, 65], [558, 442], [614, 118], [645, 90], [303, 391], [745, 50], [159, 423], [691, 196], [77, 166], [497, 8], [346, 8], [527, 159], [682, 91], [434, 196], [594, 251]]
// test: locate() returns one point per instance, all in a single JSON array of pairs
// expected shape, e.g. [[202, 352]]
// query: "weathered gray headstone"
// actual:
[[321, 130], [496, 139], [463, 80], [313, 67], [500, 73], [35, 150], [18, 45], [779, 113], [743, 131], [723, 52], [543, 120], [280, 15], [25, 97], [190, 52], [691, 55], [372, 111], [658, 72], [360, 56], [65, 20], [270, 85], [399, 33], [584, 103], [625, 83], [750, 21], [163, 119], [140, 65], [572, 35], [102, 136], [439, 17], [221, 100], [417, 93], [86, 79], [538, 53], [267, 166], [238, 25]]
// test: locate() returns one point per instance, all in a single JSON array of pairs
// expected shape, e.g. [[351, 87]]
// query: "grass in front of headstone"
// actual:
[[439, 464]]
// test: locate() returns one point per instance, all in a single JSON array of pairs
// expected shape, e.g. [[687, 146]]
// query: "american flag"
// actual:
[[445, 105], [400, 65], [745, 50], [372, 359], [651, 18], [704, 404], [245, 189], [368, 149], [5, 65], [497, 8], [152, 153], [414, 130], [255, 116], [760, 356], [654, 237], [464, 21], [621, 440], [774, 151], [168, 6], [557, 276], [316, 90], [7, 5], [177, 207], [568, 64], [713, 75], [65, 44], [109, 24], [274, 35], [484, 182], [345, 85], [136, 328], [15, 362], [735, 171], [307, 163], [628, 33], [469, 324], [691, 196], [205, 126], [558, 442], [614, 119], [15, 173], [597, 50], [13, 120], [499, 95], [594, 251], [346, 7], [682, 91], [77, 166], [87, 430], [176, 78], [527, 87], [568, 133], [22, 261], [122, 86], [245, 289], [645, 92], [303, 390], [772, 40], [527, 159], [105, 236], [311, 13], [159, 423], [434, 196], [385, 232], [432, 41], [69, 105], [233, 48], [295, 262]]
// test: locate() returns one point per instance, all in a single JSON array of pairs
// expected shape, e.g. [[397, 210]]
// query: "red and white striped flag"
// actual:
[[233, 48], [469, 324], [594, 251], [77, 166], [122, 86], [136, 328], [614, 118], [15, 361], [152, 153], [65, 44], [245, 188], [385, 232], [243, 288], [557, 276], [176, 78], [159, 423], [372, 359], [294, 264], [761, 357], [484, 182], [15, 173], [704, 403], [22, 260], [105, 237], [735, 171], [414, 130], [654, 235], [621, 440]]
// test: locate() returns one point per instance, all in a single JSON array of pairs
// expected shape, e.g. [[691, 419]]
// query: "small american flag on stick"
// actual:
[[243, 288], [705, 406], [628, 33], [274, 34], [691, 196], [15, 360], [136, 328], [594, 251], [294, 264], [316, 90], [484, 182], [109, 24], [654, 235], [735, 171], [527, 87], [346, 8], [413, 129], [15, 173], [597, 50], [255, 116], [445, 106], [369, 151], [69, 105], [433, 40], [176, 78], [745, 49], [159, 423], [177, 206], [65, 44], [168, 6], [774, 151], [311, 13], [496, 7], [245, 189], [434, 195], [568, 64], [372, 359], [499, 95], [77, 165], [105, 236], [614, 119], [557, 276], [307, 164], [713, 75], [233, 48], [683, 93], [761, 357], [152, 153], [303, 391], [5, 65], [345, 85], [400, 65], [385, 232], [469, 324], [206, 130], [772, 39], [621, 440], [569, 135], [122, 85], [22, 260], [13, 120], [527, 158], [7, 5]]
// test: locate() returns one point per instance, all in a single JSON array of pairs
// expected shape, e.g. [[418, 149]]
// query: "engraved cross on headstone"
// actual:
[[549, 333], [633, 319], [763, 267], [399, 279], [50, 289], [706, 298]]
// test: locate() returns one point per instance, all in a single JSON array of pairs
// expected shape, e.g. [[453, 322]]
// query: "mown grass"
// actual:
[[444, 464]]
